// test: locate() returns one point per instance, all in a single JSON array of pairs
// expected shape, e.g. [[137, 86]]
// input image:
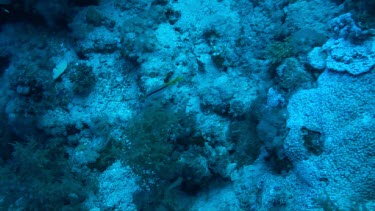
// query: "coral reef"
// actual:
[[187, 105]]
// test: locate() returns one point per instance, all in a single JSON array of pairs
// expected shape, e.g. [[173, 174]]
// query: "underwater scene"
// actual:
[[187, 105]]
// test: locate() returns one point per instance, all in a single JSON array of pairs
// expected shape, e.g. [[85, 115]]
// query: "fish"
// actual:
[[170, 83]]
